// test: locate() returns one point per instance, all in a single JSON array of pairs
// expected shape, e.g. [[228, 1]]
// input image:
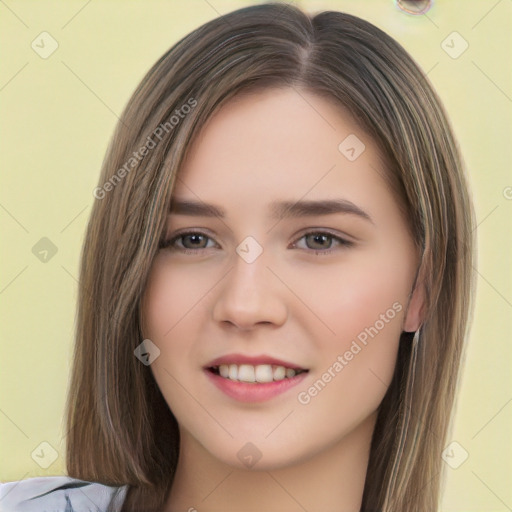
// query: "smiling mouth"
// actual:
[[262, 373]]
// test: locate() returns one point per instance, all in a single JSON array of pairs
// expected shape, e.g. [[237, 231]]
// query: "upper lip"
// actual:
[[253, 360]]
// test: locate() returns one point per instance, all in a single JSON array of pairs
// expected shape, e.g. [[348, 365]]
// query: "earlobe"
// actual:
[[415, 313]]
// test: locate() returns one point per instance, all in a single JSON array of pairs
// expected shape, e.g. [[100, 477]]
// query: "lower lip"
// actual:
[[254, 392]]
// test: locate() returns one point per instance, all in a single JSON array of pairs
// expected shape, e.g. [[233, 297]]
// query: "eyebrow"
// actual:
[[279, 209]]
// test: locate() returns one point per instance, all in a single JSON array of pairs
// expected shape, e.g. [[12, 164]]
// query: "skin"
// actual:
[[290, 303]]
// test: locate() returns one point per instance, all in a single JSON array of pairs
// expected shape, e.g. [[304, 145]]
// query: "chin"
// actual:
[[258, 455]]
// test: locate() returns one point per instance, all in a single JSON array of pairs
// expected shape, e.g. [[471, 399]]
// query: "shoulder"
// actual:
[[59, 494]]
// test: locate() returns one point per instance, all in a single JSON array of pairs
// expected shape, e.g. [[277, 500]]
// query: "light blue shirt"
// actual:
[[60, 494]]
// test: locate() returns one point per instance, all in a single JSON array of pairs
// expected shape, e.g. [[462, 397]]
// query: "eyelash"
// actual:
[[167, 244]]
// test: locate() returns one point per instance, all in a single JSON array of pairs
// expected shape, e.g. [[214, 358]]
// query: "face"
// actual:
[[300, 281]]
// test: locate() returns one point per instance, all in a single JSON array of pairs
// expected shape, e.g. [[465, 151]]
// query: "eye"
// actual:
[[322, 242], [189, 241]]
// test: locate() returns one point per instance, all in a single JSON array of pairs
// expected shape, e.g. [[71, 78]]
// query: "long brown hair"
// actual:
[[121, 430]]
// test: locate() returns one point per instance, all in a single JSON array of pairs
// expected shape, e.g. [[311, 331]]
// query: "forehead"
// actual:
[[279, 142]]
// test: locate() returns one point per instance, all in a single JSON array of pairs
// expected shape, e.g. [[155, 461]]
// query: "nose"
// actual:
[[250, 295]]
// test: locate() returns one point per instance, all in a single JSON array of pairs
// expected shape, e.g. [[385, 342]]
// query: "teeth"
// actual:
[[290, 373], [259, 373], [264, 373], [279, 373], [246, 373]]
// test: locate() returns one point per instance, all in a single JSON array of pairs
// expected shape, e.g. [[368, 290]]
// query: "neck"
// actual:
[[329, 480]]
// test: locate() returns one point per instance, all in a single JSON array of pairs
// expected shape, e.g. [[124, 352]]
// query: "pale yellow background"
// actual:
[[58, 115]]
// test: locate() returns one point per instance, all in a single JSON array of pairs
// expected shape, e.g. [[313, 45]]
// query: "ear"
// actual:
[[415, 314]]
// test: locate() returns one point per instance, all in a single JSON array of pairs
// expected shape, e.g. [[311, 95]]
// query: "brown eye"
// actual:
[[319, 241], [188, 241], [322, 242], [194, 241]]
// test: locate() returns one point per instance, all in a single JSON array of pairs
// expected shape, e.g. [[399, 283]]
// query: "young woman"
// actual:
[[275, 283]]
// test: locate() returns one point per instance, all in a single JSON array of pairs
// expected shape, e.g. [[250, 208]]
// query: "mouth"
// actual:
[[252, 374], [253, 379]]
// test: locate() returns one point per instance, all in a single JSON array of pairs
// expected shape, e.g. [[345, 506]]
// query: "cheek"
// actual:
[[170, 298], [356, 365], [363, 304], [173, 308], [167, 304], [353, 296]]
